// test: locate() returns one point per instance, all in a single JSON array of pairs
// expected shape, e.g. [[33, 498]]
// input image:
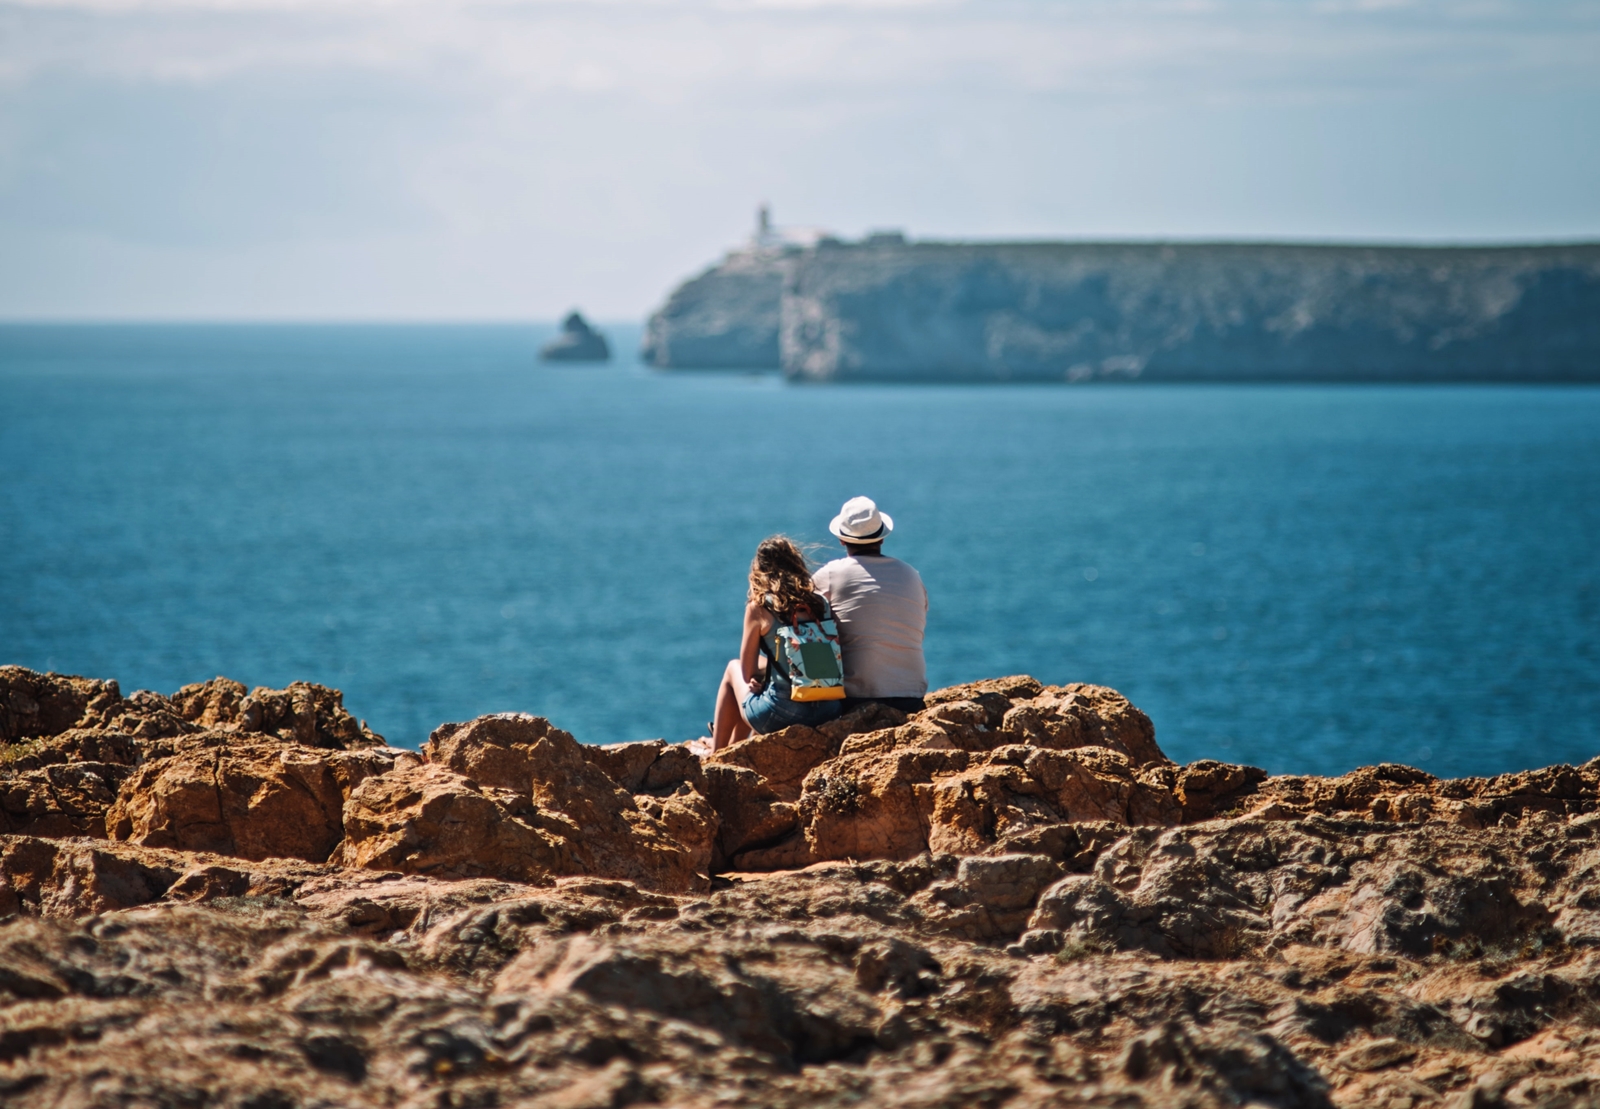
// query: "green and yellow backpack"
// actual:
[[810, 650]]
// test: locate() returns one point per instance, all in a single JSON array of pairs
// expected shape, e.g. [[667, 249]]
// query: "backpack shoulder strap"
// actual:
[[817, 608]]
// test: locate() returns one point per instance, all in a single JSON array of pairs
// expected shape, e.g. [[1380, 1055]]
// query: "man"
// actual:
[[881, 608]]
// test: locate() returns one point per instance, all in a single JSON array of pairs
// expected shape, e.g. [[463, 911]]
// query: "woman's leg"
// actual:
[[728, 725]]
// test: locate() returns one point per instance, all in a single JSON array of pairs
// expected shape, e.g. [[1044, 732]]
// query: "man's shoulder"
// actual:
[[852, 566], [841, 573], [902, 578], [903, 567], [823, 576], [834, 568]]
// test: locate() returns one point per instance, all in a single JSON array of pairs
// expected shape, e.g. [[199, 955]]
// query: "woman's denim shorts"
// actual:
[[771, 709]]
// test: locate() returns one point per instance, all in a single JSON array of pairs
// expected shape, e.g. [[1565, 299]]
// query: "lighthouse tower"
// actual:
[[768, 236], [765, 237]]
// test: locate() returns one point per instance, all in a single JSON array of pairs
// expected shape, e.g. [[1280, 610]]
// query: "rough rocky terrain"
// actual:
[[889, 310], [244, 898]]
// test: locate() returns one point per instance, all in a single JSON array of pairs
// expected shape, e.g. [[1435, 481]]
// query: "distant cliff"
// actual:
[[727, 318], [895, 311]]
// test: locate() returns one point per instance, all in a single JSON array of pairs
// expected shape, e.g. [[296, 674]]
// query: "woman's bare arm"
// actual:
[[756, 622]]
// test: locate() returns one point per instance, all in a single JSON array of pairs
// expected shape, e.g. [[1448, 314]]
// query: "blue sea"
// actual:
[[1306, 578]]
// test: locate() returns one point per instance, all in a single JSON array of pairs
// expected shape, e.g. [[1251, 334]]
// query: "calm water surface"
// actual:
[[1305, 578]]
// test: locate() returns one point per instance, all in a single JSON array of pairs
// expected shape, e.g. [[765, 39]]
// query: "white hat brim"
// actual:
[[836, 526]]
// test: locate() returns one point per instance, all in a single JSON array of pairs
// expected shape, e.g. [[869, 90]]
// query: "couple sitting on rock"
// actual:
[[878, 607]]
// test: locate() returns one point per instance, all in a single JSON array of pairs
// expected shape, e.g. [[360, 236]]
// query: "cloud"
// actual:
[[859, 42], [516, 154]]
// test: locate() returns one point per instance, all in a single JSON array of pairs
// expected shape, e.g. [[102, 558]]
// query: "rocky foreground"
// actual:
[[244, 898]]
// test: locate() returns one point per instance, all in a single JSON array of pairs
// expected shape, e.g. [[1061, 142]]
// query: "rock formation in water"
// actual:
[[1013, 898], [578, 342], [889, 310]]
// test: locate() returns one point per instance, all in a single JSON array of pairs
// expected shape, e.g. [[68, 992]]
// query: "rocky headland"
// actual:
[[232, 897], [890, 310]]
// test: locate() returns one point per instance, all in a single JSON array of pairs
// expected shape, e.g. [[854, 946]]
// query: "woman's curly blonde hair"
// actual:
[[780, 580]]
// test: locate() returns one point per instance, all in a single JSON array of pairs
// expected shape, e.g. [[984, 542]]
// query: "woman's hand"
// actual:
[[754, 685]]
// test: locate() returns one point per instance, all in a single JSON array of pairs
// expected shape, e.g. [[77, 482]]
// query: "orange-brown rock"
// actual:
[[135, 975], [983, 763], [1404, 794], [62, 784], [73, 877], [250, 800], [877, 785], [753, 821], [34, 704], [311, 715], [60, 799], [66, 878], [212, 704], [425, 819], [755, 785], [510, 796], [75, 745], [1059, 716], [782, 759], [69, 746], [1009, 899], [141, 715]]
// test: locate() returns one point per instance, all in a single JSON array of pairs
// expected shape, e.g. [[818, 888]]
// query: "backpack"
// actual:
[[810, 650]]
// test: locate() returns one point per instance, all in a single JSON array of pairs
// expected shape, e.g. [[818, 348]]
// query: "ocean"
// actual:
[[1306, 578]]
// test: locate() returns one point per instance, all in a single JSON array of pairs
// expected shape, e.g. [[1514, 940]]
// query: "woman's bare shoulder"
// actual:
[[758, 615]]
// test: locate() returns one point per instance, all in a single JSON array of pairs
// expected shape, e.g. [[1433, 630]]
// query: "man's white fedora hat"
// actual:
[[859, 521]]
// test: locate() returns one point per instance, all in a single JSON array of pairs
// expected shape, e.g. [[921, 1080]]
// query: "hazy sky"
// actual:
[[397, 159]]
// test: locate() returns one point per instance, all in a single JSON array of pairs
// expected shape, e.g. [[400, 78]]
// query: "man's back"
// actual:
[[882, 609]]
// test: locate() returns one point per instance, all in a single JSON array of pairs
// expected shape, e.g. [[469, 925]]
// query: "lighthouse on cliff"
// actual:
[[768, 236]]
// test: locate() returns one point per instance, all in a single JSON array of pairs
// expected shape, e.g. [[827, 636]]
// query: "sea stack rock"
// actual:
[[578, 342], [885, 309]]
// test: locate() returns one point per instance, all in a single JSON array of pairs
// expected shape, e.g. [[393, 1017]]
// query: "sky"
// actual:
[[511, 159]]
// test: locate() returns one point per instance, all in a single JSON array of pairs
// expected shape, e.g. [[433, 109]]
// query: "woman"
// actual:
[[780, 583]]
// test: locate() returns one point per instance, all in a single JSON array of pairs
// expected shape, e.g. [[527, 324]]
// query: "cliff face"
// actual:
[[1012, 898], [1189, 312], [726, 318]]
